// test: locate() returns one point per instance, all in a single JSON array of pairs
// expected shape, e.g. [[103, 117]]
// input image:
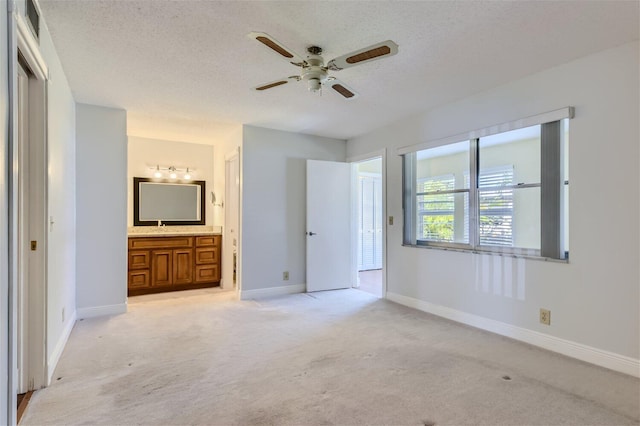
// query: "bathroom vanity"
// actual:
[[163, 261]]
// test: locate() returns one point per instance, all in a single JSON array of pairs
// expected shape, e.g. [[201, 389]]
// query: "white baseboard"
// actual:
[[98, 311], [52, 362], [272, 291], [610, 360]]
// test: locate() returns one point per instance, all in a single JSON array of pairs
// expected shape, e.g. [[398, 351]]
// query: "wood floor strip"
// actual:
[[23, 401]]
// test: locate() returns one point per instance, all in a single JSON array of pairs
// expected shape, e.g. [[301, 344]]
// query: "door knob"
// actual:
[[311, 233]]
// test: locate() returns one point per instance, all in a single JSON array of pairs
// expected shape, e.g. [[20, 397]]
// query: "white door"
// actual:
[[328, 225]]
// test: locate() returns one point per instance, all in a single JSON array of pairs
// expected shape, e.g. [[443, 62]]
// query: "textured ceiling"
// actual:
[[183, 69]]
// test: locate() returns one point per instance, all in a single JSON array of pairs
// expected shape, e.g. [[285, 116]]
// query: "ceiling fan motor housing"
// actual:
[[314, 73]]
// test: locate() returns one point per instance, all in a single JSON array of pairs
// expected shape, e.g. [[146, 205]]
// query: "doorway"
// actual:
[[231, 222], [346, 243], [30, 224], [368, 225], [28, 229]]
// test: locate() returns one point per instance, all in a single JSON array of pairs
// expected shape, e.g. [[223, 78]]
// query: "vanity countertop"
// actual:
[[171, 231]]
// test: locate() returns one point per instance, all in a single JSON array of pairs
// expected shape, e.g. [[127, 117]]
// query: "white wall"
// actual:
[[274, 203], [61, 262], [101, 215], [143, 153], [371, 166], [594, 298]]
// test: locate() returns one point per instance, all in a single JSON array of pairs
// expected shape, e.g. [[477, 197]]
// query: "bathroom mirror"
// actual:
[[169, 201]]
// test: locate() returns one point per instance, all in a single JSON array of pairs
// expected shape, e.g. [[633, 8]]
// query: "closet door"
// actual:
[[377, 212], [370, 218]]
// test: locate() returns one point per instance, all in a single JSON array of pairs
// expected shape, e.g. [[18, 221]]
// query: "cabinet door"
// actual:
[[205, 241], [138, 279], [161, 268], [207, 274], [183, 266], [139, 259], [207, 255]]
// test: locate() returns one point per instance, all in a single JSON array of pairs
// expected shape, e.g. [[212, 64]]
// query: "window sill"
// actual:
[[488, 252]]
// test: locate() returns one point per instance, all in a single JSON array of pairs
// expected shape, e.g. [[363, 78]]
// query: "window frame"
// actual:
[[552, 129]]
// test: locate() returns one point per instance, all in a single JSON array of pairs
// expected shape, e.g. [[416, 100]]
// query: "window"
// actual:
[[496, 206], [441, 194], [436, 208], [500, 192]]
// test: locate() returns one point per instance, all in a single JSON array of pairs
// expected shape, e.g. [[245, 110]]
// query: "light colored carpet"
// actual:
[[340, 357]]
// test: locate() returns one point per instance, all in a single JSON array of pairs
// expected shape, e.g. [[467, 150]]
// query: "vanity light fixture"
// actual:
[[171, 172]]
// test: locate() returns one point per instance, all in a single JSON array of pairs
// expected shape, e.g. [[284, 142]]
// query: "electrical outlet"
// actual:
[[545, 316], [62, 314], [285, 276]]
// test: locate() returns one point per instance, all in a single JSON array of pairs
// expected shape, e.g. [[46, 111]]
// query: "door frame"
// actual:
[[382, 154], [22, 41]]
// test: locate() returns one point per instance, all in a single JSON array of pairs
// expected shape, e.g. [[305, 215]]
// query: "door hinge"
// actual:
[[34, 245]]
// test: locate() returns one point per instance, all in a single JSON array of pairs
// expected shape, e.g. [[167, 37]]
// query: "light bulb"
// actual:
[[187, 175], [158, 173], [314, 84], [173, 175]]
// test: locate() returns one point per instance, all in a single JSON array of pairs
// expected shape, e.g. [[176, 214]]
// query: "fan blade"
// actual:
[[279, 48], [371, 53], [275, 83], [341, 88]]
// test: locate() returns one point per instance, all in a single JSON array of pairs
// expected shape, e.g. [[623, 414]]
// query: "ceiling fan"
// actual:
[[314, 71]]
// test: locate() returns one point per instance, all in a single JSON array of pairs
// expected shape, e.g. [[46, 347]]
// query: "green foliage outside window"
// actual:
[[438, 228], [437, 209]]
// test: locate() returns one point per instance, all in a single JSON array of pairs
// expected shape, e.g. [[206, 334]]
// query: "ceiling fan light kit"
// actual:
[[313, 69]]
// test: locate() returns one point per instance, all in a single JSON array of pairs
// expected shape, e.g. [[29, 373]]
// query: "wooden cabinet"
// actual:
[[158, 264]]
